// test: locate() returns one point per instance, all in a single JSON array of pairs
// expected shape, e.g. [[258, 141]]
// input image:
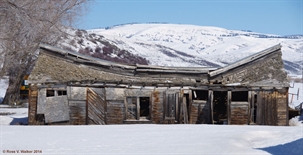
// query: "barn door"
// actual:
[[96, 106], [171, 106]]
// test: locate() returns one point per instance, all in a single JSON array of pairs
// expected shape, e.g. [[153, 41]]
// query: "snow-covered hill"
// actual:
[[181, 45]]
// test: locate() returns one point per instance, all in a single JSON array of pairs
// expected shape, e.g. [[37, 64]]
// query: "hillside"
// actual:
[[181, 45]]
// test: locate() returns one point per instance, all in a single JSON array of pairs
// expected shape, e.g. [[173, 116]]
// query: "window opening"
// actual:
[[200, 95], [50, 93], [144, 106], [61, 92], [239, 96]]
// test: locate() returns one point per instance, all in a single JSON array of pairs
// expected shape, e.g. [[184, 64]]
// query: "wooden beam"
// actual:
[[228, 107]]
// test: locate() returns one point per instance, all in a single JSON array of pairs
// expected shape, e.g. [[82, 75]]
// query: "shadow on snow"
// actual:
[[291, 148], [19, 121]]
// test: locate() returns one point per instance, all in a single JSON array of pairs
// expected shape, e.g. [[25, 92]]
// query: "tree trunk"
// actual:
[[12, 95]]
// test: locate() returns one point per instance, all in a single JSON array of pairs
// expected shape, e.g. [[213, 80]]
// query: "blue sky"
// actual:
[[282, 17]]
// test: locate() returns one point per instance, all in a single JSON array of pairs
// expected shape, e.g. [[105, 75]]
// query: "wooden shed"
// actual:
[[70, 88]]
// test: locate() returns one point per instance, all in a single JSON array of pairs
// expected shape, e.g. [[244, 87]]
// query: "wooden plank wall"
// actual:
[[239, 112], [272, 108], [77, 112], [77, 105], [96, 107], [115, 108], [32, 100], [282, 107]]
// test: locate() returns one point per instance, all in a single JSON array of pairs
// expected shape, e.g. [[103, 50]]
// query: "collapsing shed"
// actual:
[[70, 88]]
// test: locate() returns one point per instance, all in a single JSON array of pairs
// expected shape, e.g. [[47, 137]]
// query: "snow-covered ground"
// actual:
[[154, 139], [13, 116]]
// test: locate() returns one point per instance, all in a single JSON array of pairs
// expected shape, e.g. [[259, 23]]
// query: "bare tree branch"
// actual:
[[23, 25]]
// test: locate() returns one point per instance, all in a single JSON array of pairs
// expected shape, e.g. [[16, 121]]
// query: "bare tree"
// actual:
[[23, 25]]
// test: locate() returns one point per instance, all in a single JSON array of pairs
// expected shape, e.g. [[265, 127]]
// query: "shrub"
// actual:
[[98, 49]]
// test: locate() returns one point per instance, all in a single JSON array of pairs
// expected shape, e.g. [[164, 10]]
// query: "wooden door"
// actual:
[[96, 106]]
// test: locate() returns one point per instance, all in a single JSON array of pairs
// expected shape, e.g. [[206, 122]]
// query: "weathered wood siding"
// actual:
[[282, 107], [96, 106], [32, 108], [272, 108], [239, 113], [115, 105], [77, 112], [77, 105]]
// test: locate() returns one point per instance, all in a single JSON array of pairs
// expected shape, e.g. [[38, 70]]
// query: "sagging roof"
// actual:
[[130, 68], [246, 60], [264, 68]]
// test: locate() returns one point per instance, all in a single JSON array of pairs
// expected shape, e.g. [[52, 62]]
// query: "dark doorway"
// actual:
[[220, 107], [255, 109], [144, 107]]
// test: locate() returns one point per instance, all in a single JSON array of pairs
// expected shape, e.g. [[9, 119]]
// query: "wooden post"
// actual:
[[185, 114], [211, 97], [177, 106], [138, 108], [229, 107], [190, 101], [252, 109], [87, 94], [249, 108]]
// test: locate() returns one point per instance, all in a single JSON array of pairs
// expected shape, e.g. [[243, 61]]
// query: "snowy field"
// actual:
[[154, 139]]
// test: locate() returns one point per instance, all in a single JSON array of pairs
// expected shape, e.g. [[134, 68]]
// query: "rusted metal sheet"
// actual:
[[157, 108], [96, 107]]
